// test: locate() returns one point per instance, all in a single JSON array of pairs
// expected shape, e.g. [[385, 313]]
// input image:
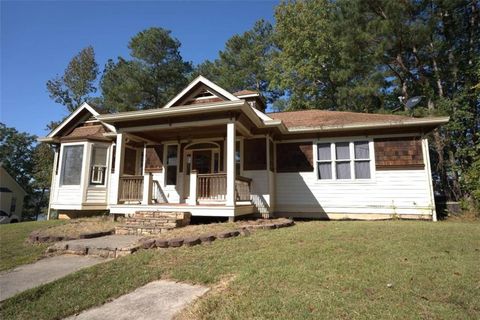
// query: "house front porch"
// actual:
[[190, 167]]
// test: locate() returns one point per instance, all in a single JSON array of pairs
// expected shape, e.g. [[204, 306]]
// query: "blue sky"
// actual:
[[38, 39]]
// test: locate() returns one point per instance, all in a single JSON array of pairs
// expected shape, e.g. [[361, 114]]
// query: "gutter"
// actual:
[[436, 121]]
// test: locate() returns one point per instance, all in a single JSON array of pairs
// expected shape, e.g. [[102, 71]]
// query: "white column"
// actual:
[[230, 198], [119, 155], [147, 188], [192, 198]]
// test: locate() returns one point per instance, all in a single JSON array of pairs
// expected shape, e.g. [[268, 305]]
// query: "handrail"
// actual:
[[241, 178]]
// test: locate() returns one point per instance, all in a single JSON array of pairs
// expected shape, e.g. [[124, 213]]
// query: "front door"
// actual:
[[202, 161]]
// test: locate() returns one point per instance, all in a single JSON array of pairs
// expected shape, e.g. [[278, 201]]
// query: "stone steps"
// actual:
[[152, 222]]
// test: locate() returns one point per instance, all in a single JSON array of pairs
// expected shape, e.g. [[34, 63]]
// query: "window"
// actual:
[[324, 161], [362, 160], [72, 165], [98, 165], [172, 165], [343, 160], [13, 205]]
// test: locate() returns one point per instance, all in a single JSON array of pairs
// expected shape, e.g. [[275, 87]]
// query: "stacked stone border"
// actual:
[[38, 237], [152, 243]]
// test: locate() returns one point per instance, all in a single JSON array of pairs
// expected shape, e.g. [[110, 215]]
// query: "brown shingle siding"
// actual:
[[398, 153], [295, 157]]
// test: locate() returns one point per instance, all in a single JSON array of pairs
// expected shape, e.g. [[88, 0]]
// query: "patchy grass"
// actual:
[[14, 250], [75, 227], [314, 270]]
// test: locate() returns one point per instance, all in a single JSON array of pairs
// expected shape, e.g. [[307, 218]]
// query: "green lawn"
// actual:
[[14, 251], [314, 270]]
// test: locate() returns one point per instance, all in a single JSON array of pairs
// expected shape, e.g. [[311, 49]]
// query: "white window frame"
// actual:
[[62, 168], [91, 181], [351, 141]]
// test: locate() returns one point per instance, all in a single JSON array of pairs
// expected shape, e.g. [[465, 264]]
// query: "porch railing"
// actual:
[[242, 188], [212, 186], [130, 189]]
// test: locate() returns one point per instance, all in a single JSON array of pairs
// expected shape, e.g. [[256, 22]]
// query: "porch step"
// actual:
[[153, 222]]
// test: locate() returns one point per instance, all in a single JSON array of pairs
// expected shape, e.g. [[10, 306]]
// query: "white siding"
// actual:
[[96, 195], [391, 192], [259, 189]]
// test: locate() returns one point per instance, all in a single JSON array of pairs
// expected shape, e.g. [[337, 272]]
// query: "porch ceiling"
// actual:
[[187, 133]]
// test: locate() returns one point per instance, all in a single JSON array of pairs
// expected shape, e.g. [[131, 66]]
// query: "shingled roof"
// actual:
[[319, 118], [91, 132]]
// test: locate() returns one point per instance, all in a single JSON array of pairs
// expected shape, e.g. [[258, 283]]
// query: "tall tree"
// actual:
[[77, 82], [243, 62], [42, 175], [16, 149], [154, 75], [361, 55]]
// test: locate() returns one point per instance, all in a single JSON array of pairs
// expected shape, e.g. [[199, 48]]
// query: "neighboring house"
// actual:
[[215, 153], [11, 198]]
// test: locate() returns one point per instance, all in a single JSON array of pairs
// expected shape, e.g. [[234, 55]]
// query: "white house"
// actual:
[[215, 153], [11, 198]]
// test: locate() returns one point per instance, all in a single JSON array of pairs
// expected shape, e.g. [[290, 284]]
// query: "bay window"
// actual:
[[72, 160], [344, 160]]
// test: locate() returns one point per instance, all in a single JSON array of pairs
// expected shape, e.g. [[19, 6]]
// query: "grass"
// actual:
[[75, 227], [327, 270], [14, 250]]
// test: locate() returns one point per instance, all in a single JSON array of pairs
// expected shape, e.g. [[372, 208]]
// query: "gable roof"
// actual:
[[77, 115], [205, 82]]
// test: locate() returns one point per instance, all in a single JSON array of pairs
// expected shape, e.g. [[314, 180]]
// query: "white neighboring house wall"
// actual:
[[11, 194], [389, 193]]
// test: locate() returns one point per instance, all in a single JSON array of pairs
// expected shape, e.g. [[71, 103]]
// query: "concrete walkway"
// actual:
[[158, 300], [41, 272]]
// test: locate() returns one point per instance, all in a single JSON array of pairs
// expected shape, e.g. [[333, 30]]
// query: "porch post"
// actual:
[[230, 198], [119, 154], [147, 188], [192, 199]]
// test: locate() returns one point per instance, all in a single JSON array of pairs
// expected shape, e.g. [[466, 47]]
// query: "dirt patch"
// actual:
[[75, 229]]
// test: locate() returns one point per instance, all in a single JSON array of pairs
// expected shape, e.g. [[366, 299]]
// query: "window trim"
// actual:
[[351, 141], [92, 183]]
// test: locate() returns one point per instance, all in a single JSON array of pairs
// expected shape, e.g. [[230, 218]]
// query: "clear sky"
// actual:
[[38, 39]]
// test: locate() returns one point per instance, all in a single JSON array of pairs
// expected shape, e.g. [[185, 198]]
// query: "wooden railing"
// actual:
[[211, 186], [242, 188], [130, 188], [157, 193]]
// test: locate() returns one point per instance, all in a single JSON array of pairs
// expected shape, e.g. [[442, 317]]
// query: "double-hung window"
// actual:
[[344, 160], [98, 165]]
